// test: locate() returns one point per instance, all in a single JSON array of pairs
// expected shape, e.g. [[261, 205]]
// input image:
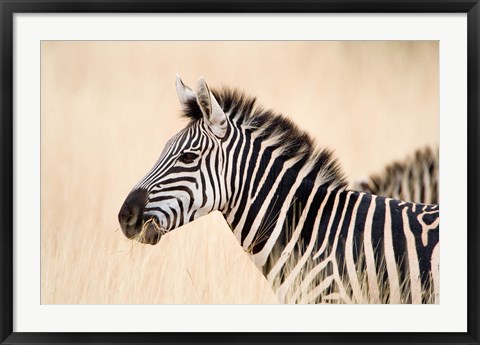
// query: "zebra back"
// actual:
[[415, 179]]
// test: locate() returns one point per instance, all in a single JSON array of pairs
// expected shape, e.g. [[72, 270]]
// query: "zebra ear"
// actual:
[[211, 110], [185, 94]]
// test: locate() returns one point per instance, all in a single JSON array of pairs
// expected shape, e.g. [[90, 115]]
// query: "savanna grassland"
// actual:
[[108, 108]]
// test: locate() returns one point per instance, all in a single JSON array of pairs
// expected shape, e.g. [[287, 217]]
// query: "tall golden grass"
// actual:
[[107, 109]]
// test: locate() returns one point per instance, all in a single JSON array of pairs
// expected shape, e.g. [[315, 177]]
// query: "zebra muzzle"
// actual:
[[130, 216], [135, 224]]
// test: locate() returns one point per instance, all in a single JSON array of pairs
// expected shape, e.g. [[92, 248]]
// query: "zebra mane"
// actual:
[[409, 172], [281, 132]]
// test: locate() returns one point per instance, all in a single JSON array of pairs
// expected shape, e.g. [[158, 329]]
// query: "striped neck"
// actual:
[[268, 190]]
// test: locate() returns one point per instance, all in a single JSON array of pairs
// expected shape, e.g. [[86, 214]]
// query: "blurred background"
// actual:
[[108, 108]]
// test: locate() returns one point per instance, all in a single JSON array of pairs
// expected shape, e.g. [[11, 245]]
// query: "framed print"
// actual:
[[239, 172]]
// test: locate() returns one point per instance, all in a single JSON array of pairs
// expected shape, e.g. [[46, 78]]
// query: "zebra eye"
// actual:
[[188, 157]]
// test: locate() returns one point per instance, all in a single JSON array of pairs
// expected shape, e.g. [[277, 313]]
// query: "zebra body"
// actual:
[[288, 206]]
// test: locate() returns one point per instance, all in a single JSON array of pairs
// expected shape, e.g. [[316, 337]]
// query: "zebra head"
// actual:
[[185, 182]]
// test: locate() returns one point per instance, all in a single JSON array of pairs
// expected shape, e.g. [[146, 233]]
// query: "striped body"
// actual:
[[288, 206], [349, 247]]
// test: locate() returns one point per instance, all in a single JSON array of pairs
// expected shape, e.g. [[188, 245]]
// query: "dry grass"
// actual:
[[109, 107]]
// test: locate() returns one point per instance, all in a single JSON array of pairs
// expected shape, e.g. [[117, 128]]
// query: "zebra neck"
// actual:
[[274, 199]]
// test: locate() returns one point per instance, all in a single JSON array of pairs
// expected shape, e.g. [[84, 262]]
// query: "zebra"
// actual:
[[287, 203], [414, 179]]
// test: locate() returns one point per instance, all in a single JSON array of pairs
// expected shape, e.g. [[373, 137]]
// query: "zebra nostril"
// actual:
[[132, 218], [131, 212], [128, 215], [124, 215]]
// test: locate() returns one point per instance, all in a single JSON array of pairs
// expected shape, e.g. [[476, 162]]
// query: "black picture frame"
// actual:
[[9, 7]]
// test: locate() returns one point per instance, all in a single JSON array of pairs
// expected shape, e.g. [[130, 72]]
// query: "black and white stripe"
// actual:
[[288, 206]]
